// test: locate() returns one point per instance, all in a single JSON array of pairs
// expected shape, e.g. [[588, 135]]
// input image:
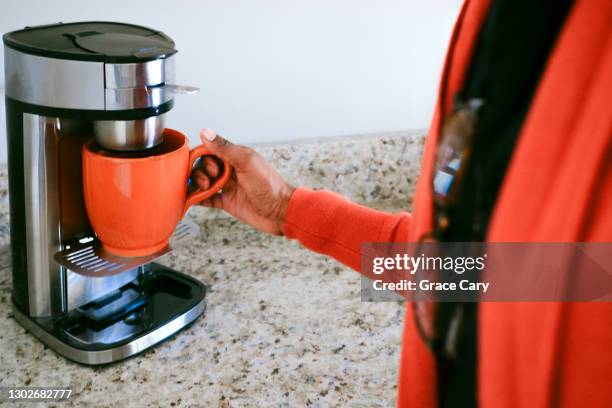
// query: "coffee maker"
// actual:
[[66, 83]]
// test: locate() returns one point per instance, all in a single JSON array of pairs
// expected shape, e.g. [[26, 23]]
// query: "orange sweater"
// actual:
[[558, 188]]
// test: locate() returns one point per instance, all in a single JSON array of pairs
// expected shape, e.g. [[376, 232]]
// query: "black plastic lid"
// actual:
[[93, 41]]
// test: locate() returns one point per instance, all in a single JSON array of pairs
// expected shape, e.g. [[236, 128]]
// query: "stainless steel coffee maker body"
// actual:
[[67, 83]]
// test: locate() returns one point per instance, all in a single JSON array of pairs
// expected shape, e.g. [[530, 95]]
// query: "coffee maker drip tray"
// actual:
[[86, 256], [124, 322]]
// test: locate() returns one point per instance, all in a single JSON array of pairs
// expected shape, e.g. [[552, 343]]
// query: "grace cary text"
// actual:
[[425, 285]]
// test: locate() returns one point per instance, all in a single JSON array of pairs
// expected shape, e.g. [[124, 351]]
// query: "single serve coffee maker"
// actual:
[[95, 89]]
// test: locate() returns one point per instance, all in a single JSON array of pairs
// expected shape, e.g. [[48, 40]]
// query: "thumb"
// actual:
[[222, 148]]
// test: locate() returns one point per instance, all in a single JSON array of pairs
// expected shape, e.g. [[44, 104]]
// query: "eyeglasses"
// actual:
[[453, 154], [439, 324]]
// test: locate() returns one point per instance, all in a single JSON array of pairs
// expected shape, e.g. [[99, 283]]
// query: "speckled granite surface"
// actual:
[[283, 326]]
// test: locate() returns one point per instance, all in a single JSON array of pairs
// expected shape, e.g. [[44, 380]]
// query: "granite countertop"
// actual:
[[283, 326]]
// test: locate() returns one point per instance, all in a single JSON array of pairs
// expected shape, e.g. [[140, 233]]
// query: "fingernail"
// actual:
[[208, 134]]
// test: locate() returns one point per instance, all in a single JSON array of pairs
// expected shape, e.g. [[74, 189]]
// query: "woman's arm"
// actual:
[[322, 221], [329, 224]]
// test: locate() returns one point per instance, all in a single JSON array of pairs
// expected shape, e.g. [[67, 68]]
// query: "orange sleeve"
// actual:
[[329, 224]]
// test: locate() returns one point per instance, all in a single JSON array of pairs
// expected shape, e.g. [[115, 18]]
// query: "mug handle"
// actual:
[[200, 195]]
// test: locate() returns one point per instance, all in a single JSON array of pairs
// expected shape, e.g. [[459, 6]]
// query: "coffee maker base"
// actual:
[[126, 322]]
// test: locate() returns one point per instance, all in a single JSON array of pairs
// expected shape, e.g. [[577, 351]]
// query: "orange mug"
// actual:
[[135, 200]]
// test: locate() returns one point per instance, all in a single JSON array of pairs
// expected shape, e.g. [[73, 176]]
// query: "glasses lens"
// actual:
[[452, 154]]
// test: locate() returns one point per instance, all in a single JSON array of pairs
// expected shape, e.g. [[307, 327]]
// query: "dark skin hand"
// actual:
[[256, 194]]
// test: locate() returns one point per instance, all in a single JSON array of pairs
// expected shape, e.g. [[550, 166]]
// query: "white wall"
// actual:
[[273, 70]]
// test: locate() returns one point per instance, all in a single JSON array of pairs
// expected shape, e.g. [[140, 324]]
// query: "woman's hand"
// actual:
[[256, 194]]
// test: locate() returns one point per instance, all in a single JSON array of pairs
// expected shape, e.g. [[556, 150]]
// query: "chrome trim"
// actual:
[[41, 187], [113, 354], [128, 135], [136, 75], [138, 85], [53, 82], [87, 85], [136, 98]]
